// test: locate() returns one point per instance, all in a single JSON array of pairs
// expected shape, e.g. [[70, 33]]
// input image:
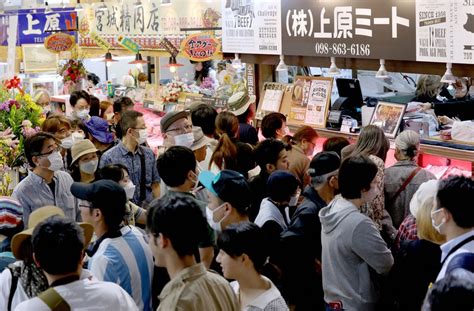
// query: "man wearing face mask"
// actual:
[[177, 129], [177, 169], [352, 247], [45, 184], [454, 218], [139, 160], [301, 242]]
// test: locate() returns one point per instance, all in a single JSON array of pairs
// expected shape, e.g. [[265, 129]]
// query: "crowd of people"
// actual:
[[221, 221]]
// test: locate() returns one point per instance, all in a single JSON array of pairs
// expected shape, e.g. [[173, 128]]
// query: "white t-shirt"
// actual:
[[86, 294], [5, 286], [271, 299]]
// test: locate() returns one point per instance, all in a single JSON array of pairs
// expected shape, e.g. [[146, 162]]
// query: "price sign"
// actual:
[[129, 44], [200, 47]]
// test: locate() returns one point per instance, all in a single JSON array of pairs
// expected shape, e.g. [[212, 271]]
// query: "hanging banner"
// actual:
[[200, 47], [129, 44], [252, 26], [146, 21], [103, 44], [345, 28], [445, 31], [33, 28], [3, 30], [59, 42]]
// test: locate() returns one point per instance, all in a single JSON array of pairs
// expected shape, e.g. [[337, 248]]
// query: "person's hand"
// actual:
[[445, 120]]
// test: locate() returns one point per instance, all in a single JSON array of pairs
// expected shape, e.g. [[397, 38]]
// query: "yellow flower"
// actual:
[[227, 79]]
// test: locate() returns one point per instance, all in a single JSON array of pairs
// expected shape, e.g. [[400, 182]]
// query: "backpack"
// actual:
[[463, 260]]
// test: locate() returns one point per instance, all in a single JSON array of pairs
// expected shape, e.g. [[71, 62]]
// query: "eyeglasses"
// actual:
[[46, 154], [181, 130]]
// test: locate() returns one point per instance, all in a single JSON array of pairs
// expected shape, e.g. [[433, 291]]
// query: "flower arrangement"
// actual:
[[20, 118], [172, 90], [73, 71]]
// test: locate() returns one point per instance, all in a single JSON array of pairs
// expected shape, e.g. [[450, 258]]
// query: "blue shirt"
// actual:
[[127, 261], [33, 192], [121, 155]]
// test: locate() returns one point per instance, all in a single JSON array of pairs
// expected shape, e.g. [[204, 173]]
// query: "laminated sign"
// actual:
[[59, 42], [200, 47]]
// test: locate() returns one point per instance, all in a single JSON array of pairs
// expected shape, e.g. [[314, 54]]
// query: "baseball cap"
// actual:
[[80, 148], [102, 194], [99, 129], [427, 191], [229, 186], [35, 218], [281, 185], [171, 117], [324, 163]]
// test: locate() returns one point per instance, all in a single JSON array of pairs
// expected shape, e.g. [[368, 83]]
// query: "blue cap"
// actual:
[[99, 129]]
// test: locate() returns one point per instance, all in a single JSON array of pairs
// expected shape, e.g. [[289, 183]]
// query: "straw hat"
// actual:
[[239, 102], [38, 216], [80, 148]]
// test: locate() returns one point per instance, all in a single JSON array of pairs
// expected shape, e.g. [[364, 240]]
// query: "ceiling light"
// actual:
[[139, 61], [173, 64], [382, 73], [448, 76], [333, 70], [281, 65]]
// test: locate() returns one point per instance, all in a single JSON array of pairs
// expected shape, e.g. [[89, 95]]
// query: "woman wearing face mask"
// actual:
[[84, 161], [351, 245], [302, 146], [80, 102], [60, 128], [230, 153], [42, 98], [119, 174]]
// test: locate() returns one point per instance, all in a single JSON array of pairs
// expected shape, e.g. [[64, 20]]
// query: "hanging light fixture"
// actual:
[[139, 61], [448, 76], [108, 59], [47, 9], [236, 62], [382, 73], [333, 70], [281, 65], [173, 64]]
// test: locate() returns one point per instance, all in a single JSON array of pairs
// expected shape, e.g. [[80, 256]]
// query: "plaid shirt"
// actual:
[[407, 231]]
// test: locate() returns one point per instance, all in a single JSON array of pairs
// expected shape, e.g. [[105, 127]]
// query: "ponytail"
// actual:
[[225, 154]]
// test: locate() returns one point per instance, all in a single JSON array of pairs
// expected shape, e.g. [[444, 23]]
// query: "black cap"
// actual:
[[229, 186], [323, 163], [102, 193], [281, 185]]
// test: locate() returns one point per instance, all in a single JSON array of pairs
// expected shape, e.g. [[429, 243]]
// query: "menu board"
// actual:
[[251, 26], [273, 96], [310, 101]]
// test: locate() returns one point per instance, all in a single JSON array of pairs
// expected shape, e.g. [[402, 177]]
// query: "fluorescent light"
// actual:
[[448, 76]]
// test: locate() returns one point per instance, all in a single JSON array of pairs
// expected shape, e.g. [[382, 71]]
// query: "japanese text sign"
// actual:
[[129, 44], [59, 42], [344, 28], [200, 47], [35, 27]]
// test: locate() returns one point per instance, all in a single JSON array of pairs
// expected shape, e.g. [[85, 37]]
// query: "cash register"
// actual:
[[348, 105]]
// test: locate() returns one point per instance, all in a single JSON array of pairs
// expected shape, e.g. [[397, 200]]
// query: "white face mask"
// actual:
[[67, 142], [143, 135], [76, 136], [185, 140], [56, 161], [294, 199], [89, 167], [433, 223], [217, 226], [46, 109], [82, 114], [129, 189]]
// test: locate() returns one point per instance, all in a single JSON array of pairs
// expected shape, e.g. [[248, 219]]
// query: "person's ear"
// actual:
[[270, 168], [36, 261], [162, 241]]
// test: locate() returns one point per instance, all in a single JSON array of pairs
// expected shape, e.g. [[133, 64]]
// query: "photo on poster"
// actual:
[[388, 116]]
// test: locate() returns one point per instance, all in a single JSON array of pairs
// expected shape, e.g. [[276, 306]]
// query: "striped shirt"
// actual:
[[127, 261]]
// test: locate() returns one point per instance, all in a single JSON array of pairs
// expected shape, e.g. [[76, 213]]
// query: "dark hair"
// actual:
[[112, 172], [305, 132], [174, 165], [79, 124], [121, 103], [268, 152], [204, 116], [204, 73], [95, 106], [335, 144], [372, 141], [454, 193], [227, 126], [244, 117], [77, 95], [53, 122], [271, 123], [282, 189], [451, 293], [245, 238], [58, 245], [34, 145], [356, 174], [129, 120], [93, 78], [180, 219]]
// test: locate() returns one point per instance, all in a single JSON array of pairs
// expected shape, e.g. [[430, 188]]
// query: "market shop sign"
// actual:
[[200, 47], [101, 42], [350, 29], [129, 44], [59, 42]]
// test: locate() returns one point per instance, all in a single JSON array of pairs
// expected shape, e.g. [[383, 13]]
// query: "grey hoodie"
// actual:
[[350, 245]]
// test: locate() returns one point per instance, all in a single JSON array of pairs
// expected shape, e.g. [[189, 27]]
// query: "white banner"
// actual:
[[251, 26], [12, 34]]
